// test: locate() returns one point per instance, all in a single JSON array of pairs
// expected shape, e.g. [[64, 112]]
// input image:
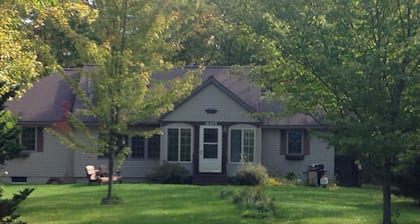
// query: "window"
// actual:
[[210, 143], [242, 145], [142, 147], [179, 144], [28, 139], [294, 142], [138, 144], [122, 141], [153, 147], [31, 139]]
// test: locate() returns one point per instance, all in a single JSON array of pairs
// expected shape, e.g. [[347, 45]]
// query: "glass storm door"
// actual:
[[210, 149]]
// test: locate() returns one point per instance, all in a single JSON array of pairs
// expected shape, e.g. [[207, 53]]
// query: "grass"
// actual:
[[146, 203]]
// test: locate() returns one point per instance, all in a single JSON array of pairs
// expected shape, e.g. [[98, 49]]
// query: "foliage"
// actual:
[[9, 137], [8, 206], [214, 33], [26, 54], [291, 176], [169, 173], [63, 29], [274, 182], [251, 174], [130, 41], [407, 176], [332, 186], [226, 193], [253, 202], [25, 40], [353, 66]]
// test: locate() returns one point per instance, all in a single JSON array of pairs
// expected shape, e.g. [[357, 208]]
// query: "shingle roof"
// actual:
[[43, 103], [237, 83]]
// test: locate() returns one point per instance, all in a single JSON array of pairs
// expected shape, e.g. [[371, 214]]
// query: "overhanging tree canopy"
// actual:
[[25, 54], [353, 64], [131, 38]]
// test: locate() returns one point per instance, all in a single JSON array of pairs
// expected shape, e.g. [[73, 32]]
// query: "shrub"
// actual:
[[251, 174], [255, 203], [332, 186], [274, 182], [291, 176], [169, 173], [9, 206]]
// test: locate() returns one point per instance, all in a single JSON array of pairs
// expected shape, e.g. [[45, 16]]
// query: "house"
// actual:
[[210, 133]]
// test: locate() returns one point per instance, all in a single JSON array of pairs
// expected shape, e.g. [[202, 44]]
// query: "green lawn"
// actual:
[[145, 203]]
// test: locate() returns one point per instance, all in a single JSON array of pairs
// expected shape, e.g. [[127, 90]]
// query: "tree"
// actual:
[[406, 176], [215, 32], [26, 56], [353, 66], [8, 206], [131, 38], [9, 137], [25, 40]]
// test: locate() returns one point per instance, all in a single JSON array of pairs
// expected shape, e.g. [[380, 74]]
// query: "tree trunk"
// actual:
[[110, 173], [386, 190], [111, 154]]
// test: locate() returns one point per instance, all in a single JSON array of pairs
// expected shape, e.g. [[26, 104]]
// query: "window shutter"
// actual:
[[283, 142], [40, 139], [306, 144]]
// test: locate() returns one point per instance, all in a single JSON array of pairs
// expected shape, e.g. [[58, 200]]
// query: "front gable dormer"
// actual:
[[209, 102]]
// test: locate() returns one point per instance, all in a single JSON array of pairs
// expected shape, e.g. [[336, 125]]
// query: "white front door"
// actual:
[[210, 149]]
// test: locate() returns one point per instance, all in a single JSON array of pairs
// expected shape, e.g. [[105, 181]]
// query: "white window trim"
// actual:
[[36, 140], [242, 141], [179, 145], [301, 143]]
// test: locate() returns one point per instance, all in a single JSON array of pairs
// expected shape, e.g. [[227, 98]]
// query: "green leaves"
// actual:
[[118, 92], [353, 60], [9, 137]]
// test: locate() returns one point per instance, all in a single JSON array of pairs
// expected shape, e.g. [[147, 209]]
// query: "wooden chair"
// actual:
[[95, 175]]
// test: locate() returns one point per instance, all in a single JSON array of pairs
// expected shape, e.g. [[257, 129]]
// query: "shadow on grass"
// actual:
[[148, 204], [155, 203]]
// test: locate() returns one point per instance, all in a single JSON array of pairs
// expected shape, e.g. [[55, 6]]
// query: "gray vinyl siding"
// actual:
[[228, 110], [55, 160], [130, 168], [276, 164]]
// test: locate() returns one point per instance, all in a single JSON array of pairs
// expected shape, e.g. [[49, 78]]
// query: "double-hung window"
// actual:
[[179, 144], [122, 141], [153, 147], [242, 145], [145, 148], [138, 145], [295, 142], [28, 138], [32, 138]]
